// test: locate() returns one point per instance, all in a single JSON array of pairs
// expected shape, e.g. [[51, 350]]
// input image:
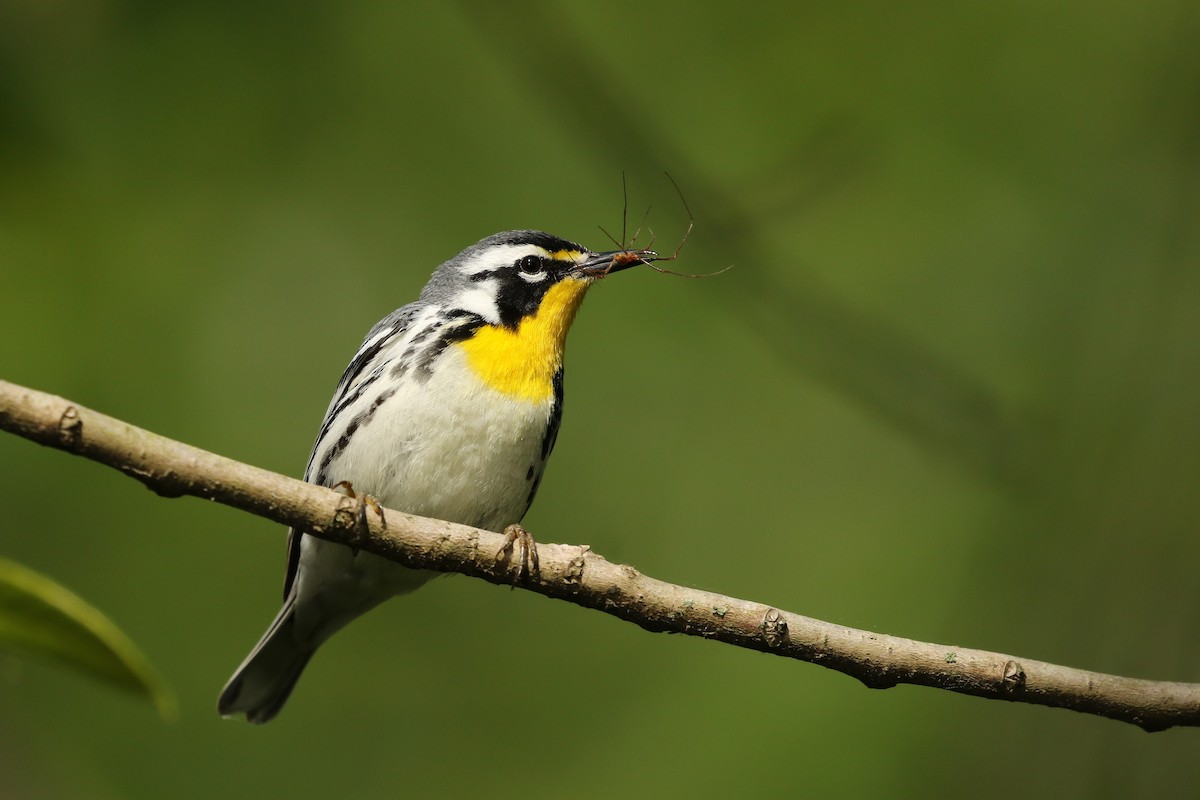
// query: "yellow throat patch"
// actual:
[[522, 362]]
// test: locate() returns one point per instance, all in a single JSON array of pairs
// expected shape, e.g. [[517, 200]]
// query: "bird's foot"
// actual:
[[526, 563], [365, 501]]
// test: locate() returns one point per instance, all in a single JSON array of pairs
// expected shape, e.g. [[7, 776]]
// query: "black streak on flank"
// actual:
[[420, 336], [347, 401], [457, 325], [411, 352], [548, 440], [366, 356], [448, 334], [360, 419], [555, 417]]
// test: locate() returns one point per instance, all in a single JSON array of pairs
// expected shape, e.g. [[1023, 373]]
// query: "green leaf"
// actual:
[[39, 617]]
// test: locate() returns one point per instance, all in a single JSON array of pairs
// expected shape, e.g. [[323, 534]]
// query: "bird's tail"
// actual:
[[263, 682]]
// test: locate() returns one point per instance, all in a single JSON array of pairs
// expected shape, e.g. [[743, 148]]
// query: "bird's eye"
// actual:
[[530, 264]]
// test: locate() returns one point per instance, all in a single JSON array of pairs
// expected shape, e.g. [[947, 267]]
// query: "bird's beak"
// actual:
[[598, 265]]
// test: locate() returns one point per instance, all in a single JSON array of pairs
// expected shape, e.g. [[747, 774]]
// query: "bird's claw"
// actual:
[[365, 501], [526, 562]]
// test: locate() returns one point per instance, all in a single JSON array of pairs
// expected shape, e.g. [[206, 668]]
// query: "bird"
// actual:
[[449, 409]]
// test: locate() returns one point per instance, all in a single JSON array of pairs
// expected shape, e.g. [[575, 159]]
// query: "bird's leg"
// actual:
[[517, 537], [365, 501]]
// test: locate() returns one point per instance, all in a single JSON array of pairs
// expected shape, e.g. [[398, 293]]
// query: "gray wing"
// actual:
[[351, 383]]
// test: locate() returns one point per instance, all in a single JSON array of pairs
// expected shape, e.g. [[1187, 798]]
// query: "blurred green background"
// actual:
[[949, 390]]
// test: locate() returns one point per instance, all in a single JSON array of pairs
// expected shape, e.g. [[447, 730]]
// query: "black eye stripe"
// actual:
[[531, 267]]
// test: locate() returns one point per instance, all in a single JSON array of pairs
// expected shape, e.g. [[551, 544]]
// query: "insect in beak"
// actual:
[[601, 264]]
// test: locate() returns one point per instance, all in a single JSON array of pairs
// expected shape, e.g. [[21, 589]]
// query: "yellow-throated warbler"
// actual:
[[449, 409]]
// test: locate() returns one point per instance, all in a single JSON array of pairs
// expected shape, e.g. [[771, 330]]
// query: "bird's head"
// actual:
[[525, 286]]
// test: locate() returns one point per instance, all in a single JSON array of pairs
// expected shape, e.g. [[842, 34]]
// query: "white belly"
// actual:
[[451, 449]]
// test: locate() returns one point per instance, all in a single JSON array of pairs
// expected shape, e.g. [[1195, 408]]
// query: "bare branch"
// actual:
[[576, 574]]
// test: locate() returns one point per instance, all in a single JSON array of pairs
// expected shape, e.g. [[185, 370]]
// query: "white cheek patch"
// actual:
[[481, 301]]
